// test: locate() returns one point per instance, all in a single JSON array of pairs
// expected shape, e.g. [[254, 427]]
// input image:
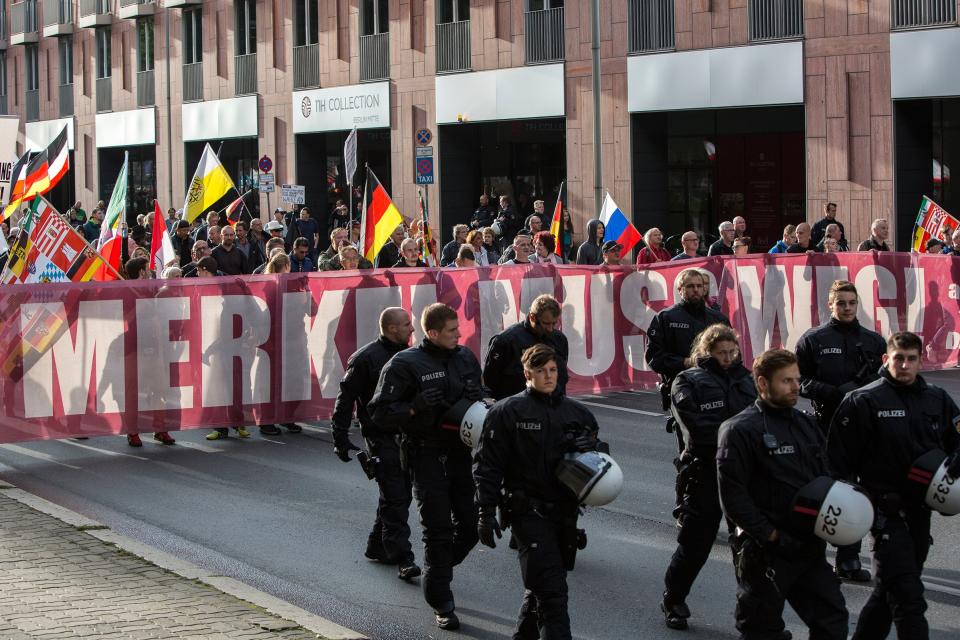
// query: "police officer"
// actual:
[[876, 435], [672, 331], [717, 387], [836, 358], [414, 392], [389, 541], [524, 439], [503, 373], [766, 454]]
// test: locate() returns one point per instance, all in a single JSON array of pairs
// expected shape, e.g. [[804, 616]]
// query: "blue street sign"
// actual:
[[425, 170]]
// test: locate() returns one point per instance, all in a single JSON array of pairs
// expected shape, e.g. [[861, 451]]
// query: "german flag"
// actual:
[[18, 185], [234, 210], [44, 171], [556, 223], [380, 217]]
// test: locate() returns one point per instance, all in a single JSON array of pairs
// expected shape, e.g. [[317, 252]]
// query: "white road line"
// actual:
[[103, 451], [30, 453], [307, 427], [625, 409], [931, 586], [186, 445], [273, 441]]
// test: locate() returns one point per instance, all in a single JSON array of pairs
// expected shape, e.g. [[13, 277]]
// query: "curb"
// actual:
[[310, 621]]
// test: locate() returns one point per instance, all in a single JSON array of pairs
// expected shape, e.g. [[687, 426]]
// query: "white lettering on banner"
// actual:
[[98, 349], [826, 276], [156, 352], [916, 298], [421, 297], [883, 320], [370, 303], [531, 288], [638, 312], [953, 340], [600, 308], [774, 307], [308, 339], [498, 310], [219, 347]]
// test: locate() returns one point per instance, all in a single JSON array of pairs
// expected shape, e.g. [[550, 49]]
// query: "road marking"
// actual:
[[186, 445], [307, 427], [627, 410], [103, 451], [30, 453], [273, 441]]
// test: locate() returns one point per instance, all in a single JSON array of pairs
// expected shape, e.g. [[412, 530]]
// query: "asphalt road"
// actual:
[[285, 515]]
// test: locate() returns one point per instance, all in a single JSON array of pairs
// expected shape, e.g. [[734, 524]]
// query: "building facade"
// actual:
[[709, 108]]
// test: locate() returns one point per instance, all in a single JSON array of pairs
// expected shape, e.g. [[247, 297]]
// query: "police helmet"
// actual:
[[497, 228], [466, 417], [594, 477], [940, 492], [833, 510]]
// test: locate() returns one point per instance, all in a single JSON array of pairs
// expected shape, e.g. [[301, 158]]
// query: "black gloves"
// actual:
[[342, 447], [427, 400], [788, 545], [587, 442], [487, 527], [953, 465], [472, 390]]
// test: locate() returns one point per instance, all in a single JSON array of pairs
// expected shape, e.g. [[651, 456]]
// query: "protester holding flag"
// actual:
[[617, 226], [112, 237], [162, 253], [654, 251], [210, 183], [91, 228]]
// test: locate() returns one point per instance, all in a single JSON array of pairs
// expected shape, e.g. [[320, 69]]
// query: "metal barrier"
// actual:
[[94, 7], [23, 17], [650, 26], [375, 57], [543, 35], [245, 79], [909, 14], [193, 82], [775, 19], [146, 89], [453, 46], [306, 66], [57, 12]]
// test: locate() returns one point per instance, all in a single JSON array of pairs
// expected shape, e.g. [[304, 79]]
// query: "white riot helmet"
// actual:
[[497, 228], [939, 491], [594, 477], [833, 510], [466, 416]]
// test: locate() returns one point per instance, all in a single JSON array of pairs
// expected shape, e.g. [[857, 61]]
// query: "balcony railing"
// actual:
[[57, 12], [306, 66], [910, 14], [453, 46], [104, 94], [23, 22], [375, 57], [246, 74], [136, 8], [66, 100], [94, 13], [775, 19], [146, 89], [543, 35], [33, 105], [650, 25], [193, 82]]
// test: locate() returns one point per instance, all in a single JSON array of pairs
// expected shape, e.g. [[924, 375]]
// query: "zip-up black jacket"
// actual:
[[880, 429], [831, 357], [414, 370], [358, 384], [671, 335], [524, 439], [757, 484], [706, 395], [502, 370]]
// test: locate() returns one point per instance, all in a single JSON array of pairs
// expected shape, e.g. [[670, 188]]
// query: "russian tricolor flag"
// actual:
[[616, 226]]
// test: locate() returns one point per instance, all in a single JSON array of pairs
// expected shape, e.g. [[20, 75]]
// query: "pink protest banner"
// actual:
[[102, 358]]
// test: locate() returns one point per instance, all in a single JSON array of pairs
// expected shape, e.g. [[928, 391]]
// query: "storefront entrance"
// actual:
[[239, 157], [141, 178]]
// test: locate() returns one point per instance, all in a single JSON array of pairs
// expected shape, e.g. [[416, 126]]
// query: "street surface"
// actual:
[[285, 516]]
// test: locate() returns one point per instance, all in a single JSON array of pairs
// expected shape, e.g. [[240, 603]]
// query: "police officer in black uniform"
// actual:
[[672, 331], [717, 387], [524, 439], [766, 454], [836, 358], [877, 433], [503, 373], [389, 541], [414, 392]]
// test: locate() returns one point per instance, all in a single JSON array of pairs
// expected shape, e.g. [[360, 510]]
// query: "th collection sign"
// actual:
[[364, 106]]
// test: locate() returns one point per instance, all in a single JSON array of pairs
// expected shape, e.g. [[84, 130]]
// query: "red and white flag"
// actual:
[[161, 247]]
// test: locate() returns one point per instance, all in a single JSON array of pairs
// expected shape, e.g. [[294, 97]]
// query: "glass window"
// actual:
[[65, 50], [192, 36], [246, 28], [307, 28], [145, 44], [103, 53], [540, 5], [453, 11], [3, 74], [374, 17], [32, 68]]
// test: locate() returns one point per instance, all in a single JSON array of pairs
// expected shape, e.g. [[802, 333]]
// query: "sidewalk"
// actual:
[[59, 581]]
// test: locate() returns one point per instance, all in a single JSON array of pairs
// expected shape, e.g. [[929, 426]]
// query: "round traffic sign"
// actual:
[[425, 166], [424, 137], [266, 164]]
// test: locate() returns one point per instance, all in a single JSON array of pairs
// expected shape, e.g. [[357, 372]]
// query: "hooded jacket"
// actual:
[[589, 251]]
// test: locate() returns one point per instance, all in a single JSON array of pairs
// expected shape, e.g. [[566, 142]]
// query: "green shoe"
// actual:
[[217, 435], [242, 432]]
